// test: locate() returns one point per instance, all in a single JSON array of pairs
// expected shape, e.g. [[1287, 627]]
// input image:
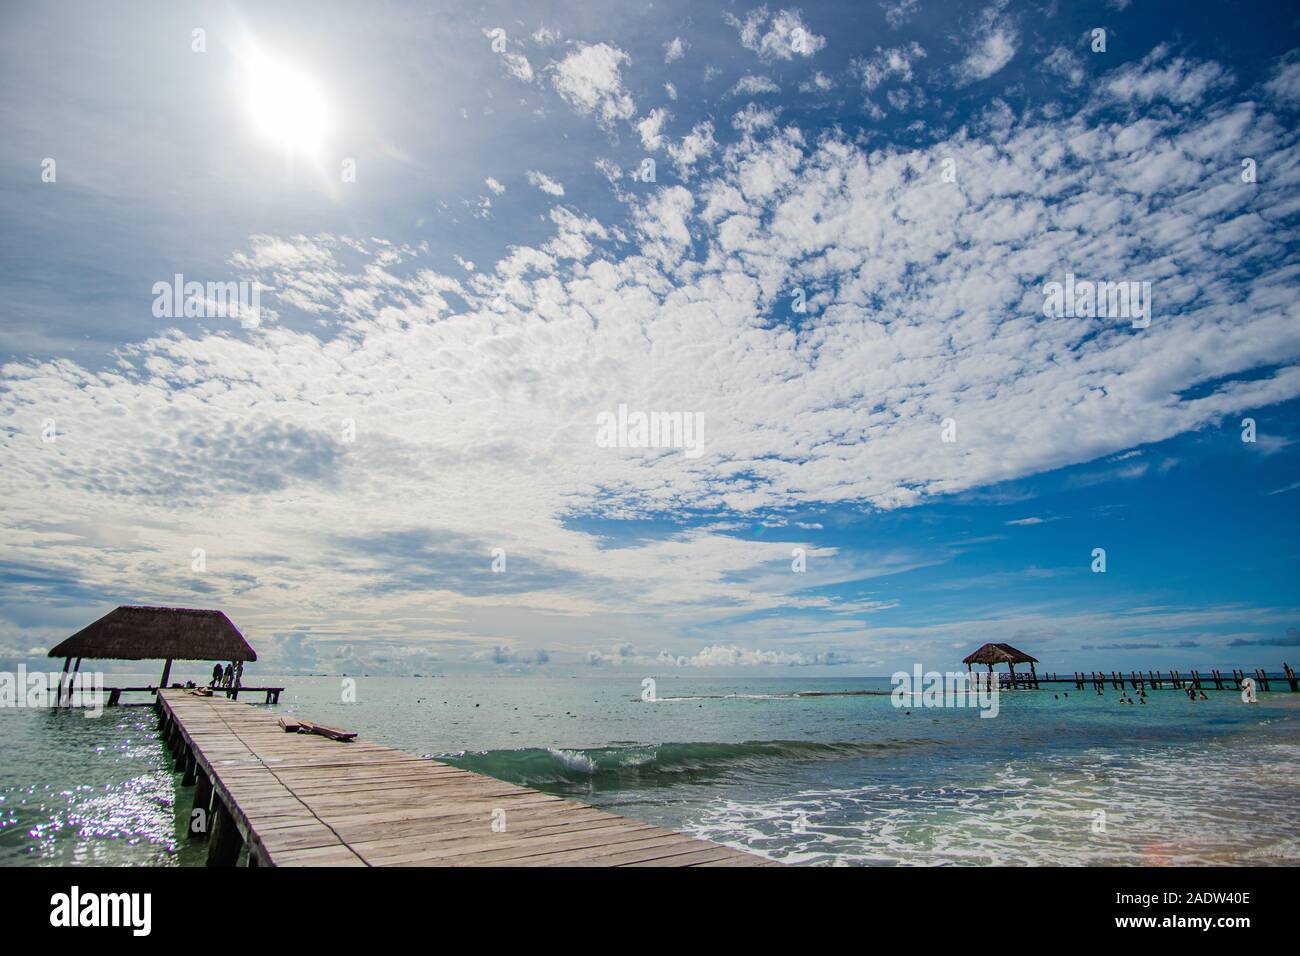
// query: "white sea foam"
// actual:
[[573, 761], [1178, 806]]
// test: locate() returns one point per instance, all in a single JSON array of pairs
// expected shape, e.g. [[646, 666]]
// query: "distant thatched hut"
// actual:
[[991, 654], [157, 633]]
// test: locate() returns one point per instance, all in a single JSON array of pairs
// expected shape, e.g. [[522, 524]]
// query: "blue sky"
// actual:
[[839, 261]]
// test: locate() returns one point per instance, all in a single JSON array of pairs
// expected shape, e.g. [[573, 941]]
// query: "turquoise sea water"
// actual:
[[756, 763]]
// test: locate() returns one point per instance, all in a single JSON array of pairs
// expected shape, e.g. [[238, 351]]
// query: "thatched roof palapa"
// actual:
[[158, 633], [999, 654]]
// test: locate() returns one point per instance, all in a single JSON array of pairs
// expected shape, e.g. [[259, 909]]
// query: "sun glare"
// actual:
[[286, 106]]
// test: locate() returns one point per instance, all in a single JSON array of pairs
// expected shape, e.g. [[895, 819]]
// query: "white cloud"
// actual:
[[1162, 77], [752, 119], [546, 36], [518, 66], [817, 83], [545, 183], [992, 44], [697, 144], [780, 37], [674, 49], [495, 186], [651, 129], [1284, 84], [899, 12], [924, 303], [1065, 63], [590, 81], [750, 85], [731, 655], [505, 654], [894, 63]]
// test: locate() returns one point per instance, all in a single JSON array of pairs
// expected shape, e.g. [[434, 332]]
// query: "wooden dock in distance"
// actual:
[[305, 800]]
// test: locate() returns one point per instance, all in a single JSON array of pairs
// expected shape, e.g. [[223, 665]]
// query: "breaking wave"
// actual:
[[642, 765]]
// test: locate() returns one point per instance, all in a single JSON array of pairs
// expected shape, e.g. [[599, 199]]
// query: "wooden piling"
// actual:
[[224, 841], [203, 803]]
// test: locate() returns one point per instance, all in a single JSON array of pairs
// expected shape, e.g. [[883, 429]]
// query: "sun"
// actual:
[[286, 106]]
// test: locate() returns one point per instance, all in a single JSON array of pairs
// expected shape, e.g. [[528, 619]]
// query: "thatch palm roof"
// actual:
[[1000, 654], [157, 633]]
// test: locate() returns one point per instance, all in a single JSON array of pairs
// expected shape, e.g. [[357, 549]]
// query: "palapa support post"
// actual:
[[1218, 679], [224, 842], [1263, 677], [63, 679], [1196, 679], [72, 681], [1290, 677], [167, 672], [1033, 675]]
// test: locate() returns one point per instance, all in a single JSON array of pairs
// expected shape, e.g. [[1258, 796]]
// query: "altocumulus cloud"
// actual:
[[473, 401]]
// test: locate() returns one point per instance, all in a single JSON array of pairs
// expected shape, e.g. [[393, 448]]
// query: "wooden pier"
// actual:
[[1156, 680], [304, 800], [1136, 680], [115, 693]]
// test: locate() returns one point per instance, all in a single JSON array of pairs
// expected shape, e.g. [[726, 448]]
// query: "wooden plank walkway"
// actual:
[[304, 800]]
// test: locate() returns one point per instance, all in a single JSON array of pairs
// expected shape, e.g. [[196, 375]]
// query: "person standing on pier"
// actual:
[[216, 675]]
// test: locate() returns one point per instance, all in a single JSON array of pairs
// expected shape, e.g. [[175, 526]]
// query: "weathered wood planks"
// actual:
[[305, 800]]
